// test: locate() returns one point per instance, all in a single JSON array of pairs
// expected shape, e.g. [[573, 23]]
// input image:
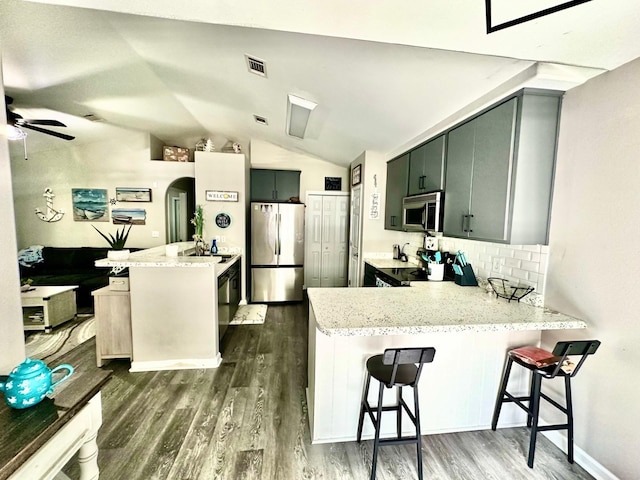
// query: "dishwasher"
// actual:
[[223, 304], [234, 289]]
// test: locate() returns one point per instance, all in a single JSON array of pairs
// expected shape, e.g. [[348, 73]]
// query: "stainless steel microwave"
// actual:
[[422, 213]]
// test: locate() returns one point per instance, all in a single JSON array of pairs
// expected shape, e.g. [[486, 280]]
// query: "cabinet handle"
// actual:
[[421, 185], [393, 220], [466, 223]]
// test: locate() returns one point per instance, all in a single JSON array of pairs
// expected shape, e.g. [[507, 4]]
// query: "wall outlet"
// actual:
[[496, 264], [155, 234]]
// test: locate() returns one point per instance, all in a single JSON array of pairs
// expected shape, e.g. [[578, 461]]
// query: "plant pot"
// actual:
[[118, 254]]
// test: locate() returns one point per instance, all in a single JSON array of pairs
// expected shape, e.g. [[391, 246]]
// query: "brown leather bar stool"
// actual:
[[395, 368], [544, 364]]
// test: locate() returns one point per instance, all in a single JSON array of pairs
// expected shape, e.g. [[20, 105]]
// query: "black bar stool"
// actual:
[[544, 364], [395, 368]]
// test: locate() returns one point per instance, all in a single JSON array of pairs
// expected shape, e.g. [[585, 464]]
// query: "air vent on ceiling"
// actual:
[[260, 120], [255, 65], [93, 117]]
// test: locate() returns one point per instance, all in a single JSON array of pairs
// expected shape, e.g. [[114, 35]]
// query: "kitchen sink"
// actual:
[[223, 257]]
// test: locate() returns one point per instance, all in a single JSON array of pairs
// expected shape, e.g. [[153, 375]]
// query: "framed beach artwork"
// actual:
[[129, 194], [90, 204], [129, 216]]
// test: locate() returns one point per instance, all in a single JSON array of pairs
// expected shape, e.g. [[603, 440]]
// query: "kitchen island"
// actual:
[[174, 308], [470, 329]]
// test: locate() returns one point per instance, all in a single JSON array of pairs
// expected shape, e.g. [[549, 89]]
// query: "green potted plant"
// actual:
[[117, 243]]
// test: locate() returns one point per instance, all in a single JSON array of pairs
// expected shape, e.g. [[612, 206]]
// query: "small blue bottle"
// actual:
[[214, 247]]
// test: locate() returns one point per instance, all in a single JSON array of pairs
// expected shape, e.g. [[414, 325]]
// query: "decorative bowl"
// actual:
[[504, 289]]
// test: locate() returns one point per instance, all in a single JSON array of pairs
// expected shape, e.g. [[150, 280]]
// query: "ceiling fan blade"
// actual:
[[51, 123], [48, 132]]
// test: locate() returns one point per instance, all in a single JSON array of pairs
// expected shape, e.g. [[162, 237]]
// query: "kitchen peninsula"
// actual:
[[174, 307], [470, 329]]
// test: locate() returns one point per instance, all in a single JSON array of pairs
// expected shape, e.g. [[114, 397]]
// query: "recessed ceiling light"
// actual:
[[255, 65], [298, 112]]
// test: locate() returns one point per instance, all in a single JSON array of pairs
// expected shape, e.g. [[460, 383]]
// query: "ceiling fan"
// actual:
[[16, 121]]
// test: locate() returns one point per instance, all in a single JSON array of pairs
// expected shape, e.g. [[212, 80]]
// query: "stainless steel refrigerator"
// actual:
[[277, 252]]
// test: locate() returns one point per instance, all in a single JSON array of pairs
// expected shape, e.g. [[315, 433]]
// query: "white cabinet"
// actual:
[[113, 324], [326, 239]]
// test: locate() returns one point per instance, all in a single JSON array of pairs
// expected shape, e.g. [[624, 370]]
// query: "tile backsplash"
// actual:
[[525, 264]]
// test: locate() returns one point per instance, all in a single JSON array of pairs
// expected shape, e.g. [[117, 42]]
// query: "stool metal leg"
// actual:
[[376, 442], [418, 433], [399, 412], [535, 410], [567, 386], [500, 397], [365, 393], [530, 399]]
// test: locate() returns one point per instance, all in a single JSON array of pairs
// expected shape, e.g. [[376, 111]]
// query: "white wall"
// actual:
[[375, 239], [267, 155], [12, 335], [224, 171], [119, 162], [594, 267]]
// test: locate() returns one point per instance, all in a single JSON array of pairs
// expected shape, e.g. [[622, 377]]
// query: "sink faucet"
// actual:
[[403, 256]]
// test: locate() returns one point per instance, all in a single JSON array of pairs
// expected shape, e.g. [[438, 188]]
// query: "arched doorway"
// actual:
[[180, 204]]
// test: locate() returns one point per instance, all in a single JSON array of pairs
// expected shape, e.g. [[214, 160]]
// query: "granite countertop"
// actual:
[[156, 257], [426, 307]]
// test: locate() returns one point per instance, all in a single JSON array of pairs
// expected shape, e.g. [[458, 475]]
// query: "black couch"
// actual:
[[70, 266]]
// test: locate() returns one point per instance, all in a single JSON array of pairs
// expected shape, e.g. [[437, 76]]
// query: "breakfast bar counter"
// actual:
[[174, 307], [426, 307], [470, 329]]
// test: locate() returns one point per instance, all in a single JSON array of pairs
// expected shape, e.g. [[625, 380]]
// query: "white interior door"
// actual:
[[328, 229], [177, 215], [326, 247], [313, 244], [355, 232]]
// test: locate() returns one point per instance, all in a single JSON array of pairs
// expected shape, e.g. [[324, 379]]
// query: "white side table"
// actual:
[[45, 307]]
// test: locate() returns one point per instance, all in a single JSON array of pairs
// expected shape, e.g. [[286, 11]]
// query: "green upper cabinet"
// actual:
[[397, 173], [274, 185], [499, 171], [457, 195], [426, 167]]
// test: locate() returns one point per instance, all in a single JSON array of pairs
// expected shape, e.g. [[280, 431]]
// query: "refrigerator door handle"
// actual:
[[278, 241]]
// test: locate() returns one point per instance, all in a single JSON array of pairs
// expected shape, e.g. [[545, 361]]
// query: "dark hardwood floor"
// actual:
[[247, 419]]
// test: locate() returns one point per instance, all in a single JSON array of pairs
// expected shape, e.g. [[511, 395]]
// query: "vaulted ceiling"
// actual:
[[382, 73]]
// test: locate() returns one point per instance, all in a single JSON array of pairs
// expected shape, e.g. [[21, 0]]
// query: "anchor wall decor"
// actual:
[[52, 215]]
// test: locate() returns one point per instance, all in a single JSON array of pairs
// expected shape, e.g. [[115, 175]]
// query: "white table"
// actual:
[[45, 307]]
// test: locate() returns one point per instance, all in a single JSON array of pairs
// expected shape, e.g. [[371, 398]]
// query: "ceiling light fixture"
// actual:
[[298, 112], [15, 133]]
